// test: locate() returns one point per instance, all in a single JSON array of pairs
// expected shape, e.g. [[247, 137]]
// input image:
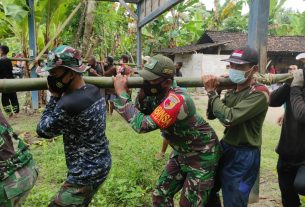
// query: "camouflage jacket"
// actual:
[[80, 117], [176, 116], [13, 152]]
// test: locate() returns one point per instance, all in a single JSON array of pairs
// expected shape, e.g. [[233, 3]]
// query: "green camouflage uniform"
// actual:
[[18, 172], [195, 145]]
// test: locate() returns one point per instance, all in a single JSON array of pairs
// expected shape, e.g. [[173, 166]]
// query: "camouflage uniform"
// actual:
[[18, 172], [195, 145], [80, 117]]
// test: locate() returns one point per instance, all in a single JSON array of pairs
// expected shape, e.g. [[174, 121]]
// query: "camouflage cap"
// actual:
[[158, 66], [65, 56]]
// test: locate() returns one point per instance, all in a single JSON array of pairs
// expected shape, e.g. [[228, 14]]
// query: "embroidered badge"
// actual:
[[167, 71], [171, 101], [166, 113]]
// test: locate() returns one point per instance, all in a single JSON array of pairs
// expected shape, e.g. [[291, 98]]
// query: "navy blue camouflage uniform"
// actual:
[[81, 118]]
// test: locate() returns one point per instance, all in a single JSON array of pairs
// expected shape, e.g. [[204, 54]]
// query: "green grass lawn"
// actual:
[[134, 170]]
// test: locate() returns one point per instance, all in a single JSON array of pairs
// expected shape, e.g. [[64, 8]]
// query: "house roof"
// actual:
[[235, 40], [190, 48]]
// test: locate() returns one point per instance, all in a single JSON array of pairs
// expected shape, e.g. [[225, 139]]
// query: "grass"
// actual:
[[134, 171]]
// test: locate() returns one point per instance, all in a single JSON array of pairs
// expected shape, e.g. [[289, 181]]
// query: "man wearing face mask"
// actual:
[[76, 110], [162, 105], [242, 111]]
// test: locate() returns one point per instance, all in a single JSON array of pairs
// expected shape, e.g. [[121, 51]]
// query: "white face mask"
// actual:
[[238, 76]]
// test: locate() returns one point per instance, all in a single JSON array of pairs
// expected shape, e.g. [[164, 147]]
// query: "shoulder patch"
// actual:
[[171, 101], [263, 89], [166, 113]]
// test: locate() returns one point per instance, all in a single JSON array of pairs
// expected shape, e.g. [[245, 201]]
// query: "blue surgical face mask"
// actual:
[[238, 76]]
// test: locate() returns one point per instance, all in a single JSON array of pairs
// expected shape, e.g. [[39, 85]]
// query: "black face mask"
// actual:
[[56, 85], [153, 89]]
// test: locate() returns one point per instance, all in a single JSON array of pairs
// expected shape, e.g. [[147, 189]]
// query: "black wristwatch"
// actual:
[[212, 94]]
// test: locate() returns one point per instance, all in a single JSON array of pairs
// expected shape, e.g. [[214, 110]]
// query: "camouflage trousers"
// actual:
[[73, 195], [15, 188], [194, 175]]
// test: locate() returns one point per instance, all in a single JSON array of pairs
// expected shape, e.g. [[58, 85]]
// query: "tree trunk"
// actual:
[[80, 28], [93, 43], [216, 10], [88, 25]]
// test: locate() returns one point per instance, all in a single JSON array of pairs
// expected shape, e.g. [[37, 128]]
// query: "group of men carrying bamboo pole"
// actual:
[[200, 165]]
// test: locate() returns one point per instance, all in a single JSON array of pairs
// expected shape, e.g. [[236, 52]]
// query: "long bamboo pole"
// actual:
[[32, 84], [84, 61]]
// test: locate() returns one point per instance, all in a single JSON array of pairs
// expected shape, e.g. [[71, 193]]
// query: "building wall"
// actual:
[[195, 65]]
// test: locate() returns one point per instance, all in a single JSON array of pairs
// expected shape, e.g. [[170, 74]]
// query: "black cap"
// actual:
[[243, 56]]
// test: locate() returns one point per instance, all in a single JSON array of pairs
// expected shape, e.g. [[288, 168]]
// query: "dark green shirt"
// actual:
[[242, 113]]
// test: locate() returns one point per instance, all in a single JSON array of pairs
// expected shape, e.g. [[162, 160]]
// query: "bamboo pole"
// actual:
[[84, 61], [32, 84]]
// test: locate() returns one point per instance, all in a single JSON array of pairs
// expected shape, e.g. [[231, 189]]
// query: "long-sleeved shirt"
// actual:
[[291, 146], [242, 113], [189, 135], [80, 117]]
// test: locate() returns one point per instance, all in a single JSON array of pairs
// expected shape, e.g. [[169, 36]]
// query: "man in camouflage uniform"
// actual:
[[76, 110], [162, 105], [18, 172], [242, 112]]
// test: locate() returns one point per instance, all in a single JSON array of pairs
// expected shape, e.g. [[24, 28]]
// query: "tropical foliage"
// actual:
[[105, 28]]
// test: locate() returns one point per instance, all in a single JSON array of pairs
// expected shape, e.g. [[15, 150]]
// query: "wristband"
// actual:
[[212, 94]]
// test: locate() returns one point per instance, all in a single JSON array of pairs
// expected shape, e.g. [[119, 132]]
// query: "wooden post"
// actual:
[[139, 39], [32, 54], [257, 38]]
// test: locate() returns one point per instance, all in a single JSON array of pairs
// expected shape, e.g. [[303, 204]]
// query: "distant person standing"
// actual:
[[178, 68], [109, 67], [272, 69], [110, 70], [292, 68], [9, 100], [14, 62], [124, 69], [95, 68]]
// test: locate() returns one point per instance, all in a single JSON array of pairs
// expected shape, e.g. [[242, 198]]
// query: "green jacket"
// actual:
[[242, 113]]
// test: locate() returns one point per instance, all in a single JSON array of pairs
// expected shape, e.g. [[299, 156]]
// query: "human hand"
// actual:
[[224, 75], [53, 93], [298, 79], [120, 84], [280, 120], [210, 82]]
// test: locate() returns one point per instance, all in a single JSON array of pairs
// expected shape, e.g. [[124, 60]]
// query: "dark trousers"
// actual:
[[291, 179], [236, 174], [10, 102]]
